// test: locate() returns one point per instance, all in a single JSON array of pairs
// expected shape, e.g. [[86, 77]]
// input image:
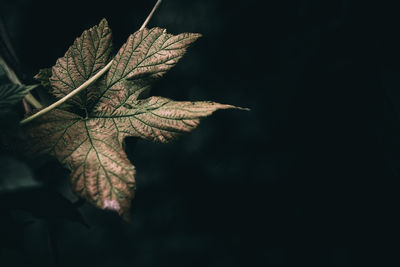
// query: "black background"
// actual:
[[308, 177]]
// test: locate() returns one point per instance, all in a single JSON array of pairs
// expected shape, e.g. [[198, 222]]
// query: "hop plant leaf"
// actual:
[[91, 145], [10, 94], [88, 54]]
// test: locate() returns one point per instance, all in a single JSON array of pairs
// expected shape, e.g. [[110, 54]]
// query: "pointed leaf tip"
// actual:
[[88, 55], [147, 55]]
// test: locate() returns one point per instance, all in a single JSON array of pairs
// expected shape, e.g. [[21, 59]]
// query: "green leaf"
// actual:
[[92, 146], [10, 94]]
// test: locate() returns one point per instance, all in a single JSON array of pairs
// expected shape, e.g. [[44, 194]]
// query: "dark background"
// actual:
[[308, 177]]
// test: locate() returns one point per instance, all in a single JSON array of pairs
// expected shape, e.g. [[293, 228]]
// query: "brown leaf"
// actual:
[[159, 119], [92, 147], [88, 54], [100, 169], [147, 55]]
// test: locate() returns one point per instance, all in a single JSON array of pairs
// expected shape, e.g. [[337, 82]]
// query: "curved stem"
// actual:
[[88, 82], [150, 15], [68, 96]]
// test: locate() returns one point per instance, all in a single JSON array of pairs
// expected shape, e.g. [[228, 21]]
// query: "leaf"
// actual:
[[100, 169], [44, 77], [147, 54], [88, 54], [158, 119], [10, 94], [91, 146]]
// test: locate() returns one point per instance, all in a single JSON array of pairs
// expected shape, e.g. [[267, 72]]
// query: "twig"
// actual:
[[88, 82], [68, 96], [150, 15]]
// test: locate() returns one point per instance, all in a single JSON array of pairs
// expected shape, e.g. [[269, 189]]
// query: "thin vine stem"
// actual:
[[150, 15], [68, 96], [88, 82]]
